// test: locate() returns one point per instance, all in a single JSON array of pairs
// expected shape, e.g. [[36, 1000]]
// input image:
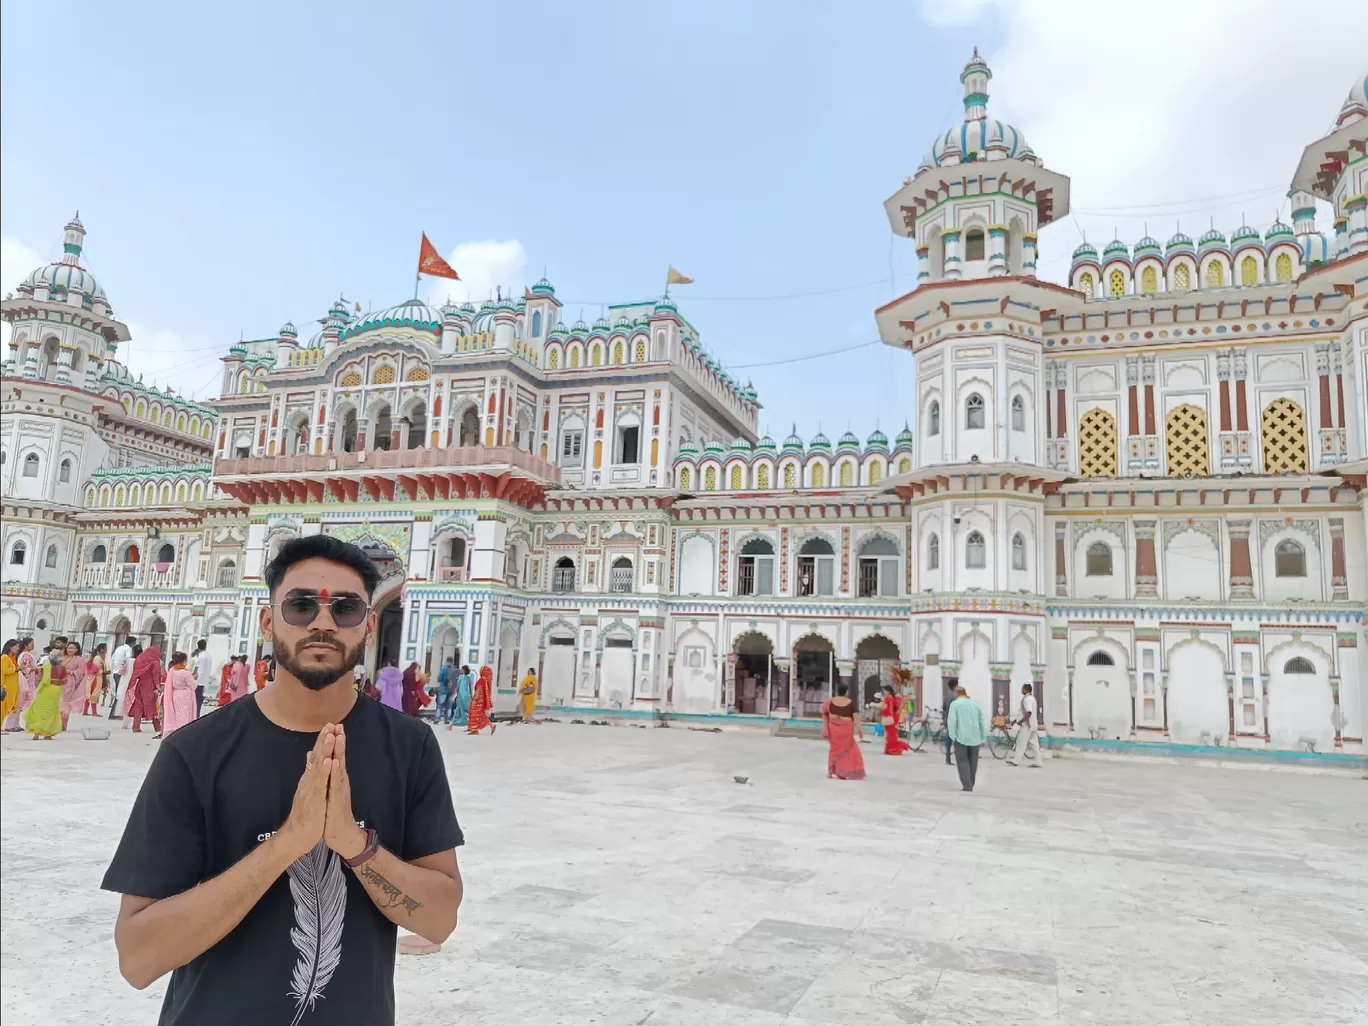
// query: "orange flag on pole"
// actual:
[[673, 277], [431, 262]]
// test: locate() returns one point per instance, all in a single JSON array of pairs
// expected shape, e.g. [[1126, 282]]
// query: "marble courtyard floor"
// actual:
[[618, 875]]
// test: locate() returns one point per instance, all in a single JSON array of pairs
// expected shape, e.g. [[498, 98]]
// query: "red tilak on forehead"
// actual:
[[322, 594]]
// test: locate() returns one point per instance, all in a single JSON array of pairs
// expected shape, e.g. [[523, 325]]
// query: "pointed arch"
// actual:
[[1283, 435], [1097, 447]]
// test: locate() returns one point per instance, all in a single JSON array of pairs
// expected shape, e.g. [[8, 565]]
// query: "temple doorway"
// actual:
[[760, 686], [814, 668]]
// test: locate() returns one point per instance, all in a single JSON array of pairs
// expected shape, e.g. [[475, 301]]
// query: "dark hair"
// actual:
[[130, 640], [321, 546], [67, 644], [465, 668], [202, 645], [9, 645], [25, 643], [137, 649], [1026, 688], [889, 689], [101, 647], [177, 658], [841, 689]]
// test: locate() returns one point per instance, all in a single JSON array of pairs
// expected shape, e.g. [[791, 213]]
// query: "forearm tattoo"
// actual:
[[394, 897]]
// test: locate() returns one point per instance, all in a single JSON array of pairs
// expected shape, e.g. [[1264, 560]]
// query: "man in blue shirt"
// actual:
[[968, 731], [443, 711]]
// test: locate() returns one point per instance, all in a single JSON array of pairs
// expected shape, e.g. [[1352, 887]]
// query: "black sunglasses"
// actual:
[[301, 608]]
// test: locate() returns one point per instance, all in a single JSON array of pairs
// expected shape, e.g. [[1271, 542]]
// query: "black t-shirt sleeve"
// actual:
[[162, 852], [430, 820]]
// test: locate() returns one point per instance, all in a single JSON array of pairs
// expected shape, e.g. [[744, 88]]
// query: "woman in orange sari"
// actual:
[[891, 716], [482, 703], [840, 724]]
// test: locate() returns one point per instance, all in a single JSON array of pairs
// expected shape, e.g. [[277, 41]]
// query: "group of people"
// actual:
[[42, 692], [965, 732], [463, 700]]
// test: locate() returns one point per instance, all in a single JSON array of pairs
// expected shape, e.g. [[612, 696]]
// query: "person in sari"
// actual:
[[9, 682], [28, 683], [74, 671], [482, 703], [225, 691], [178, 699], [143, 685], [840, 724], [97, 669], [43, 718], [891, 717], [237, 680], [527, 696], [460, 701], [135, 650], [261, 672], [391, 684], [413, 697]]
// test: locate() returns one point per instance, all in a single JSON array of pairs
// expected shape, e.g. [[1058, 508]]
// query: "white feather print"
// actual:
[[320, 904]]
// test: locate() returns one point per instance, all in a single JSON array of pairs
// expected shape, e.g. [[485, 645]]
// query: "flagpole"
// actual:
[[417, 280]]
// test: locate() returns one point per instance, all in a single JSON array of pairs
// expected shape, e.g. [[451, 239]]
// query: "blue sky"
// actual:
[[240, 165]]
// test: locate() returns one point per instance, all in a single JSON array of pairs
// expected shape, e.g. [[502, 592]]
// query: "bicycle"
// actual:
[[928, 728], [1001, 741]]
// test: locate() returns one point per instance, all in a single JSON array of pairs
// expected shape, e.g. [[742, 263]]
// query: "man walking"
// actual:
[[1028, 735], [946, 701], [255, 868], [204, 670], [120, 666], [443, 711], [968, 730]]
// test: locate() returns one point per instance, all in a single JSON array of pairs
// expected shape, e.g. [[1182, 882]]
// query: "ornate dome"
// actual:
[[765, 444], [288, 330], [1211, 239], [66, 275], [411, 313], [978, 137], [1244, 233], [848, 441], [793, 441], [878, 440], [713, 446], [1116, 249], [1086, 251], [1148, 247], [820, 441], [665, 305], [1278, 230], [740, 445], [1355, 104], [904, 437], [543, 288], [1179, 241]]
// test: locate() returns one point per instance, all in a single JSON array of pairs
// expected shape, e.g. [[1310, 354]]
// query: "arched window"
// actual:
[[135, 494], [735, 477], [818, 476], [1185, 441], [50, 558], [31, 465], [755, 568], [1182, 278], [933, 553], [974, 413], [975, 551], [817, 568], [640, 354], [553, 359], [847, 473], [1099, 560], [762, 476], [563, 576], [904, 465], [1085, 283], [620, 576], [933, 419], [595, 355], [1289, 559], [617, 352], [1149, 279], [875, 472], [1249, 271], [1116, 282], [1215, 275], [710, 479], [878, 567], [973, 244], [574, 357], [1018, 413], [99, 554], [18, 553], [684, 477], [1097, 444], [166, 554], [536, 324], [1018, 552], [1282, 267], [64, 471], [1283, 433], [790, 476], [1101, 659], [1299, 665], [132, 555]]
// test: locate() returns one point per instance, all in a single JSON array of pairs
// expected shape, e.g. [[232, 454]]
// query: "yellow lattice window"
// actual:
[[1149, 280], [1097, 444], [1085, 283], [1283, 426], [762, 476], [574, 358], [875, 472], [847, 473], [904, 465], [417, 374], [169, 418], [684, 477], [1117, 283], [166, 494], [553, 359], [1182, 278], [617, 352], [1249, 271], [640, 350], [710, 479], [596, 356], [141, 411], [384, 375], [735, 477], [180, 422], [1215, 276], [790, 477], [135, 495], [180, 492], [818, 475], [1185, 441], [119, 496], [350, 380], [1283, 267]]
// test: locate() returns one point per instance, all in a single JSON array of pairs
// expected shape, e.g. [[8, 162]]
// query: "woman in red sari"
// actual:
[[890, 716], [840, 724], [143, 685], [413, 697], [482, 703]]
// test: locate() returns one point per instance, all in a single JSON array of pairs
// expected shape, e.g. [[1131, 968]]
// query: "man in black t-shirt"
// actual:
[[256, 867]]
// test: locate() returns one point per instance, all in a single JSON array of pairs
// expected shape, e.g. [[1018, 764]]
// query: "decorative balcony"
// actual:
[[451, 472]]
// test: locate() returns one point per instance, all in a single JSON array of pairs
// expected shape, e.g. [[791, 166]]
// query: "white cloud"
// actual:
[[16, 261], [1172, 111], [483, 267]]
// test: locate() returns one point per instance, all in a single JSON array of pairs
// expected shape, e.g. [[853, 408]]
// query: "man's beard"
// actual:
[[315, 677]]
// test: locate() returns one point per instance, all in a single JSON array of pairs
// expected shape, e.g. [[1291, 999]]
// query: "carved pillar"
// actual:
[[65, 352], [1147, 378], [1146, 570], [1327, 418], [1028, 255], [1133, 395], [1240, 371], [31, 350], [1230, 705], [1061, 414], [923, 264], [1061, 568], [997, 250], [362, 431], [1223, 376], [1337, 355], [951, 238], [1038, 689], [398, 433], [1263, 701], [1241, 571], [1339, 581], [1049, 404]]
